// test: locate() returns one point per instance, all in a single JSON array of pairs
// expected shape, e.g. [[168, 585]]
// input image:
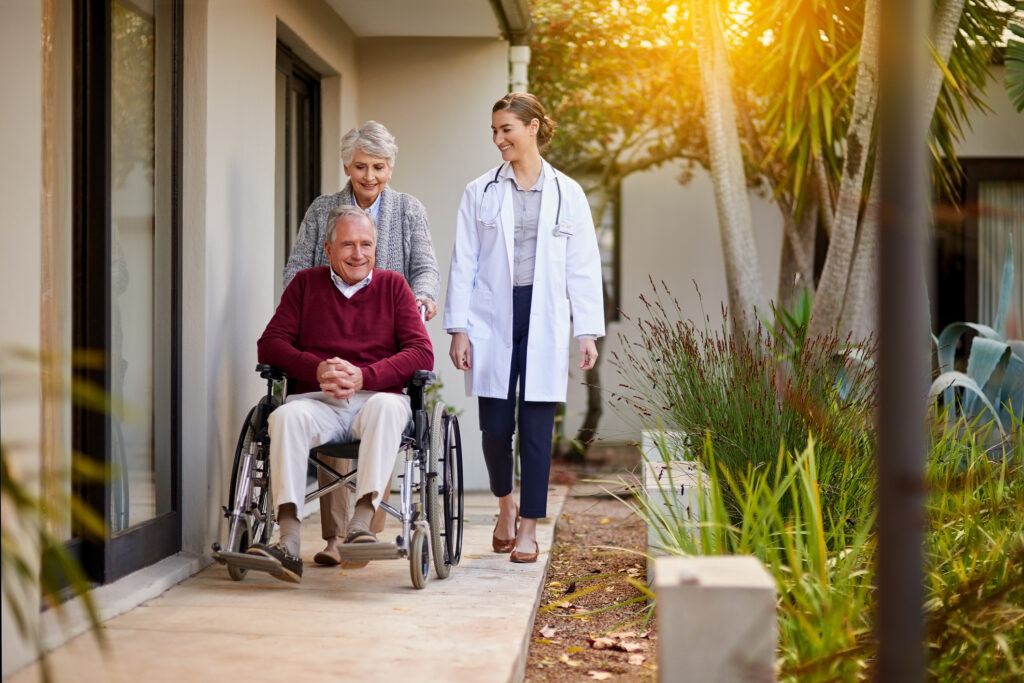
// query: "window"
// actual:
[[126, 263], [971, 242]]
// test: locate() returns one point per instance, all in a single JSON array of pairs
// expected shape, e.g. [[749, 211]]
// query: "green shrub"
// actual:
[[991, 390], [824, 570], [751, 399]]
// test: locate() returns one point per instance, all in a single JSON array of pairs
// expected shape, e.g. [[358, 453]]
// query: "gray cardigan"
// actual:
[[403, 239]]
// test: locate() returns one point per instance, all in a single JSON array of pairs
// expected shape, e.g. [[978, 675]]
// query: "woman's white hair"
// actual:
[[371, 137]]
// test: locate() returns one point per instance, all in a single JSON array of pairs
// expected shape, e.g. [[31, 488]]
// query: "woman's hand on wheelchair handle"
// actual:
[[461, 352], [429, 304]]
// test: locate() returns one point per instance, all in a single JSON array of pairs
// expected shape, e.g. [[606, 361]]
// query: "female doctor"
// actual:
[[525, 255]]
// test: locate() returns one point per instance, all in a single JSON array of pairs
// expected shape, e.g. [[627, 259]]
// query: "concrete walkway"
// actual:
[[368, 624]]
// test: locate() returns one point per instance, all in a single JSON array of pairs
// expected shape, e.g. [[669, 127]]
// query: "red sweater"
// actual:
[[378, 330]]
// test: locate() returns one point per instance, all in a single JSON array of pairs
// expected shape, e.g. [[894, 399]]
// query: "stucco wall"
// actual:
[[999, 133], [20, 275], [230, 243], [435, 95]]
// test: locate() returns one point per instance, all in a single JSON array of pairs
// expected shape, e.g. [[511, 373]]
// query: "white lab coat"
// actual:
[[567, 274]]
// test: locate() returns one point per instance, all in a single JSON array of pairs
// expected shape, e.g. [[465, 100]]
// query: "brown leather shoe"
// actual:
[[502, 545], [505, 545], [525, 558]]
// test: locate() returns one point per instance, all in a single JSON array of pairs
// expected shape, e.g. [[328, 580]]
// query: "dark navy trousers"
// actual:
[[536, 423]]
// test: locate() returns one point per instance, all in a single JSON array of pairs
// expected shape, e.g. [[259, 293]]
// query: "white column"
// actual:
[[518, 64]]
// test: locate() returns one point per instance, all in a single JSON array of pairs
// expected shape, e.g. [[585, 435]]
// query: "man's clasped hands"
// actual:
[[338, 378]]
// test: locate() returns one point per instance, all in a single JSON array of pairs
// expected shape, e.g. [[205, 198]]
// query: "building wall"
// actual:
[[20, 274], [435, 95], [229, 241], [999, 133]]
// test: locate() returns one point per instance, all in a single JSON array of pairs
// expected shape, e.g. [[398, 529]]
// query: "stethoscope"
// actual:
[[493, 207]]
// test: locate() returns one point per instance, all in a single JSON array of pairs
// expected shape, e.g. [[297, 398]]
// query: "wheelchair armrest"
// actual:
[[422, 378], [269, 372]]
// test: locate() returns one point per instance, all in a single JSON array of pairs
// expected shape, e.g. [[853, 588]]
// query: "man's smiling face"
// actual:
[[352, 253]]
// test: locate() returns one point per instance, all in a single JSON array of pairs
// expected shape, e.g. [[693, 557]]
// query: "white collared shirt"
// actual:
[[347, 289], [526, 210], [374, 210]]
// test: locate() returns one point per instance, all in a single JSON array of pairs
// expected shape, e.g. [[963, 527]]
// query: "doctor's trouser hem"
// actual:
[[536, 423], [377, 419]]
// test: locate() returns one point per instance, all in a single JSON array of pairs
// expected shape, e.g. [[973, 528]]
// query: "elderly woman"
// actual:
[[403, 245]]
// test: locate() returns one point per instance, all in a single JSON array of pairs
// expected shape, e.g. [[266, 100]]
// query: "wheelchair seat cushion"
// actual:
[[348, 449]]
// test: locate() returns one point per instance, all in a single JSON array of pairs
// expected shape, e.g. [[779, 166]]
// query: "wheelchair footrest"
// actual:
[[368, 551], [246, 561]]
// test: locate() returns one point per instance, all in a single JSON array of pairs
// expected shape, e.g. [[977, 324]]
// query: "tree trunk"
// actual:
[[831, 291], [945, 21], [792, 278], [860, 309], [739, 249]]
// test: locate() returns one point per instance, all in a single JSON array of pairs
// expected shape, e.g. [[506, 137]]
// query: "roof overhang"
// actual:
[[437, 18]]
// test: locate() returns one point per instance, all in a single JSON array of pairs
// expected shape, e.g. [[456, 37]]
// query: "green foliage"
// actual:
[[34, 560], [621, 80], [1015, 66], [992, 388], [822, 557], [746, 400]]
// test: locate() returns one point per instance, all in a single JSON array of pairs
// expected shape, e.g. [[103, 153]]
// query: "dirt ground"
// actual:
[[586, 628]]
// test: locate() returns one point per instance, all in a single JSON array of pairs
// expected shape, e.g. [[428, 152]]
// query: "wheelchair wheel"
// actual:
[[419, 557], [454, 505], [249, 494], [445, 530]]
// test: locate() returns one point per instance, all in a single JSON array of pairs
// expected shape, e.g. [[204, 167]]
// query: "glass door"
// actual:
[[126, 263]]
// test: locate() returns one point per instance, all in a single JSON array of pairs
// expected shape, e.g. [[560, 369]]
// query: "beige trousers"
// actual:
[[377, 419]]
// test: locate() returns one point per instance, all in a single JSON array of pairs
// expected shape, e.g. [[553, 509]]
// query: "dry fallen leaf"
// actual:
[[555, 583], [548, 631], [636, 660], [601, 643], [622, 635], [564, 659], [630, 647], [574, 649], [606, 521], [599, 675]]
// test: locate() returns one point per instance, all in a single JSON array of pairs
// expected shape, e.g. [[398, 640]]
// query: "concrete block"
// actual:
[[673, 493], [657, 445], [716, 619]]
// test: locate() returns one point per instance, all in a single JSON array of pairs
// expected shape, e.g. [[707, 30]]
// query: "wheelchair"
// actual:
[[430, 507]]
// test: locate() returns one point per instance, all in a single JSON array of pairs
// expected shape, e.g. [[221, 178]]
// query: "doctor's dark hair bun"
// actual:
[[526, 107]]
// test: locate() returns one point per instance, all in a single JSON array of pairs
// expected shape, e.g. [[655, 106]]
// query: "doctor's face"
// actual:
[[514, 139], [369, 176], [351, 254]]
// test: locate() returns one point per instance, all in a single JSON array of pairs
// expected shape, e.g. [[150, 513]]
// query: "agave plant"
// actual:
[[993, 384]]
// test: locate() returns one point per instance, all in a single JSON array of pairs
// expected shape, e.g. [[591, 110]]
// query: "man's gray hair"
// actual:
[[374, 139], [347, 211]]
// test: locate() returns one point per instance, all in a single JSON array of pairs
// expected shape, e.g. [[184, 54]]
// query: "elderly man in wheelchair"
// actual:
[[349, 337]]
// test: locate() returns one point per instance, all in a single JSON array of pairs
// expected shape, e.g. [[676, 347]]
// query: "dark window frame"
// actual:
[[958, 300], [112, 557], [304, 82]]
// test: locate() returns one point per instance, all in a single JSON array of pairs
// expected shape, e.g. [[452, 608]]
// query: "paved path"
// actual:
[[337, 625]]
